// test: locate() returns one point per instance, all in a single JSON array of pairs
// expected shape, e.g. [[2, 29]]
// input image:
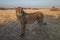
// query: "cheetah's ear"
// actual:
[[21, 8]]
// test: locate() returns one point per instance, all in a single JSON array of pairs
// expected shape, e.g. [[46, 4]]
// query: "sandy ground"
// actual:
[[10, 29]]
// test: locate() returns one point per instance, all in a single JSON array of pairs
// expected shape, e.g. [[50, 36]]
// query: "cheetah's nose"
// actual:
[[45, 23]]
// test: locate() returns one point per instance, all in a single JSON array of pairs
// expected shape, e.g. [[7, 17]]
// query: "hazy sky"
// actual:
[[30, 3]]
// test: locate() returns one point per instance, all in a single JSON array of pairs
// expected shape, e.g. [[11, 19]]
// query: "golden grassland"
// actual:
[[11, 14], [10, 28]]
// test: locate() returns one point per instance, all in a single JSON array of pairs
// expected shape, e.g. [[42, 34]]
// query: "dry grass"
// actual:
[[10, 27]]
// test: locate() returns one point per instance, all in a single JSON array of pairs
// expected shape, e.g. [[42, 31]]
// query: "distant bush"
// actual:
[[54, 9], [2, 8]]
